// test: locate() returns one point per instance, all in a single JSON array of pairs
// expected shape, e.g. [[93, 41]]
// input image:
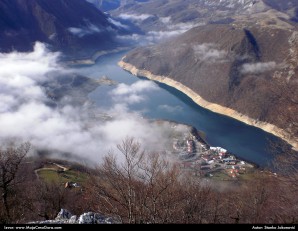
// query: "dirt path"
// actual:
[[63, 168]]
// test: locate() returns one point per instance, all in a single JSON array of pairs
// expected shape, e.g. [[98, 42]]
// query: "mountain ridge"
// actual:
[[74, 27], [252, 70], [176, 13], [270, 128]]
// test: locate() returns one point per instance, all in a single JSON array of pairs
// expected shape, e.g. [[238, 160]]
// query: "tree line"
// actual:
[[139, 187]]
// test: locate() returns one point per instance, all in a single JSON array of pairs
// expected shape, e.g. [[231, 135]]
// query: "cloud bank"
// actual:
[[131, 94], [156, 36], [207, 52], [83, 31], [117, 23], [152, 37], [257, 68], [26, 116], [135, 17], [171, 30]]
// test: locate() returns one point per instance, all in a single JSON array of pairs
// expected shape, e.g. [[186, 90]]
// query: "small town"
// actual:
[[193, 154]]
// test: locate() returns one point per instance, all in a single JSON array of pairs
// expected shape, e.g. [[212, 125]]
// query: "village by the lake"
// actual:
[[193, 154]]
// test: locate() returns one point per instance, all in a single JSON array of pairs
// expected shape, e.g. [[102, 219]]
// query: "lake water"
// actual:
[[246, 142]]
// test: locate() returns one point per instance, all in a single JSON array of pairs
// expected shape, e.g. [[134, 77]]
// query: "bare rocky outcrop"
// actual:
[[65, 217]]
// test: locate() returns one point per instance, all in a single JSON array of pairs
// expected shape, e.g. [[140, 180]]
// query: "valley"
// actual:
[[148, 111]]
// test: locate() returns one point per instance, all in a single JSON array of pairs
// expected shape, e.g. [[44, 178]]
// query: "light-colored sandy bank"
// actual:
[[270, 128]]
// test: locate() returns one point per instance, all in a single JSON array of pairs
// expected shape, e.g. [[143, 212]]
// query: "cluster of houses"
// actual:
[[204, 160], [190, 146]]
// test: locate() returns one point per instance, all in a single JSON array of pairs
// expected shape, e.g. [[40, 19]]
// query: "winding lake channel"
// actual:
[[246, 142]]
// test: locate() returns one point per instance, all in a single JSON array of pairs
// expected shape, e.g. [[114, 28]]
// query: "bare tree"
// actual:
[[10, 160], [49, 198], [138, 187], [286, 165], [161, 193]]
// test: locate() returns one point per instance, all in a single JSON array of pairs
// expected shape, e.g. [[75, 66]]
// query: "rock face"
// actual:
[[252, 70], [76, 27], [65, 217]]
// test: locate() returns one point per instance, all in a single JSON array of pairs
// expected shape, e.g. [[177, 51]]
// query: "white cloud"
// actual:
[[183, 27], [207, 52], [7, 102], [165, 20], [117, 23], [83, 31], [15, 62], [150, 38], [26, 116], [135, 17], [134, 93], [172, 31], [133, 38], [179, 27], [256, 68], [155, 36]]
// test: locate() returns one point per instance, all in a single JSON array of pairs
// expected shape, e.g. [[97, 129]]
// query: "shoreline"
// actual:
[[267, 127], [196, 136]]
